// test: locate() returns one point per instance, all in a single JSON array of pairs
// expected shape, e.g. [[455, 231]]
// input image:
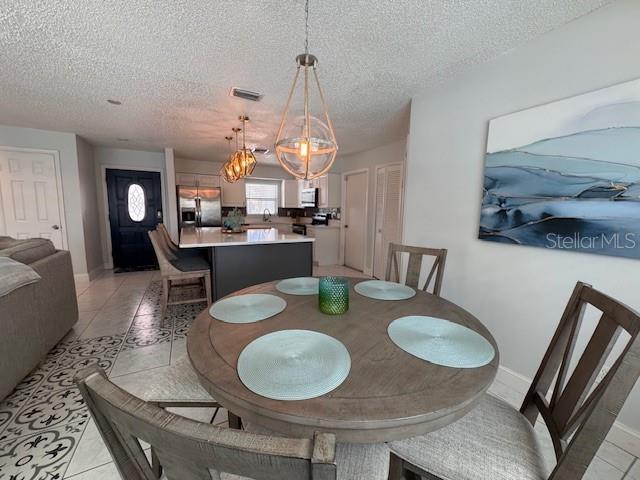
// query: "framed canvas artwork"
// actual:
[[566, 175]]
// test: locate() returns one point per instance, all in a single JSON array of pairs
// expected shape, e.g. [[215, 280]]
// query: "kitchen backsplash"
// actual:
[[307, 212], [291, 212]]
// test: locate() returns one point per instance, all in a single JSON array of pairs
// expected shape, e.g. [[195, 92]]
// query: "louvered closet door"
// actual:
[[388, 214], [29, 195]]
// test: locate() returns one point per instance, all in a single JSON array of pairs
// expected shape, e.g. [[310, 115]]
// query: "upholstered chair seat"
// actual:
[[492, 442]]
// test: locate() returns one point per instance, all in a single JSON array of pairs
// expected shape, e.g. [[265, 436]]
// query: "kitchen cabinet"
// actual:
[[186, 179], [208, 180], [234, 194], [291, 193], [329, 189], [329, 192], [197, 180], [326, 248]]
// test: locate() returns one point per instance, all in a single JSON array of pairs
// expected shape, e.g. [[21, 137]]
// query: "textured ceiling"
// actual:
[[171, 63]]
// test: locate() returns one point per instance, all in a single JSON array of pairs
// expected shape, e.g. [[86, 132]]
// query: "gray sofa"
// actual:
[[34, 317]]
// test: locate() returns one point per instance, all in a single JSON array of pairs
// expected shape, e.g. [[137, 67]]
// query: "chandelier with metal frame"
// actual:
[[227, 171], [306, 146], [244, 161]]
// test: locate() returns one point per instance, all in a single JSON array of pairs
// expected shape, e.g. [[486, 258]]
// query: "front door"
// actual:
[[30, 196], [135, 207], [355, 223]]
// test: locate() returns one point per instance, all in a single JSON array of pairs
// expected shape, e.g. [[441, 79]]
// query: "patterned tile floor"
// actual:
[[46, 432]]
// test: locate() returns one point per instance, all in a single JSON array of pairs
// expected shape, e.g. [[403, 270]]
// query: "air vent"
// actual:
[[246, 94]]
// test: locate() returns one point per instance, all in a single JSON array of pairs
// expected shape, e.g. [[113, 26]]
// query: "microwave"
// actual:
[[309, 197]]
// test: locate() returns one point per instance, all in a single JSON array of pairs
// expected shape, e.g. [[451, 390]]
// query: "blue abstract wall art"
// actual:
[[566, 175]]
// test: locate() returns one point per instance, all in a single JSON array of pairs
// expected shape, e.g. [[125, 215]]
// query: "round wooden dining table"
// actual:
[[388, 395]]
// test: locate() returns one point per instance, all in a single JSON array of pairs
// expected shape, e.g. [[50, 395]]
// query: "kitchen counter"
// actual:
[[324, 227], [213, 237], [239, 260]]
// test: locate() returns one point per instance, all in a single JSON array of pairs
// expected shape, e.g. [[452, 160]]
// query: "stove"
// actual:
[[299, 228]]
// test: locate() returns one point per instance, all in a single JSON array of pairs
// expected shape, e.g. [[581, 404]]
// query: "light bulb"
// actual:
[[304, 149]]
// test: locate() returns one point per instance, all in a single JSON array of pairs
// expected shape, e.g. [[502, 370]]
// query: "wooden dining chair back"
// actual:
[[190, 450], [164, 233], [414, 266], [198, 271], [577, 411]]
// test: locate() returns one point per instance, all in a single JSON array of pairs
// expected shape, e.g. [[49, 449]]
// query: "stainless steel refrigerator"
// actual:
[[199, 206]]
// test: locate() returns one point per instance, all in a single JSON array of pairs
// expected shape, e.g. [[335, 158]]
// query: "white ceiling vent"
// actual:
[[245, 94]]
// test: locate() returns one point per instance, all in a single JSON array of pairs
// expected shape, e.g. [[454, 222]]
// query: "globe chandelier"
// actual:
[[306, 145]]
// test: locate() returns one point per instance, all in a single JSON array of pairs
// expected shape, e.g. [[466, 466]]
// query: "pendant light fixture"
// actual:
[[306, 146], [227, 169], [244, 161]]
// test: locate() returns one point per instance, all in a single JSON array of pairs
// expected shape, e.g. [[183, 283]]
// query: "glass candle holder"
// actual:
[[333, 295]]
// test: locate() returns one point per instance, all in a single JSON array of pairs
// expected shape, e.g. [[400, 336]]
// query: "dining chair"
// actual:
[[414, 266], [496, 442], [184, 449], [173, 248], [178, 269]]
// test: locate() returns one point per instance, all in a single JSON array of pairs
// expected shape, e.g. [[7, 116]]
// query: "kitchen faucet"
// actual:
[[266, 215]]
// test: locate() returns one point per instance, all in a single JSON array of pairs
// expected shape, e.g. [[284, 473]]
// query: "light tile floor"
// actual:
[[46, 431]]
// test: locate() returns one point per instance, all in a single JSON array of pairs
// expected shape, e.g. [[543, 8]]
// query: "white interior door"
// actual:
[[355, 222], [31, 196], [388, 214]]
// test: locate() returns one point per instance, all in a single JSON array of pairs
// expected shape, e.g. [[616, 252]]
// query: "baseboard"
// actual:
[[93, 274], [620, 434], [81, 277]]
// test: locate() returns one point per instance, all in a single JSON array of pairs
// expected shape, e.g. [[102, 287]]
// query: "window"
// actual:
[[136, 203], [261, 195]]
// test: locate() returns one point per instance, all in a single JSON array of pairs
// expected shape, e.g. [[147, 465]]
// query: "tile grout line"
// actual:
[[114, 362], [626, 474], [124, 338]]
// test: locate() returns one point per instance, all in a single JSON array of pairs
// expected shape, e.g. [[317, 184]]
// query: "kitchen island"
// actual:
[[239, 260]]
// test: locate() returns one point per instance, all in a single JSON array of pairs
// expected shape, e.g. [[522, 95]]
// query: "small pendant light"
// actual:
[[244, 161], [306, 146], [227, 169]]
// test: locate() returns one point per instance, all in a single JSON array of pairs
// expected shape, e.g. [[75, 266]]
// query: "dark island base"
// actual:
[[236, 267]]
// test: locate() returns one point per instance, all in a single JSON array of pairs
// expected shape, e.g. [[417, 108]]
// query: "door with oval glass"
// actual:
[[135, 207]]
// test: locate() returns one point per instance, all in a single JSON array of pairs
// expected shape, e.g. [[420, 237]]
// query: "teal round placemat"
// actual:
[[293, 365], [247, 308], [381, 290], [299, 286], [441, 341]]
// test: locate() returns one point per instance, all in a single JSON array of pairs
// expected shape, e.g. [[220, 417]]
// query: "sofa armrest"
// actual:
[[56, 297]]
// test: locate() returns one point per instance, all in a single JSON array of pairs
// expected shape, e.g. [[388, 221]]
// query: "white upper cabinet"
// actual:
[[196, 180], [186, 179], [208, 180], [234, 194], [291, 197], [329, 191]]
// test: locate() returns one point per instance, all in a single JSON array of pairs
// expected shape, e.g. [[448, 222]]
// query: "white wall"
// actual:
[[369, 159], [120, 158], [171, 213], [518, 292], [65, 145], [89, 204]]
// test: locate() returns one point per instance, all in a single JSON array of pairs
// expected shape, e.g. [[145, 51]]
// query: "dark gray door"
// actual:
[[135, 207]]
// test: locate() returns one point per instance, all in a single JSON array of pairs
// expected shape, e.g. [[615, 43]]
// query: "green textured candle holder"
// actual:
[[333, 295]]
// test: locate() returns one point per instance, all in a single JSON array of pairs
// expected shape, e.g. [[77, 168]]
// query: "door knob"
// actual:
[[56, 227]]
